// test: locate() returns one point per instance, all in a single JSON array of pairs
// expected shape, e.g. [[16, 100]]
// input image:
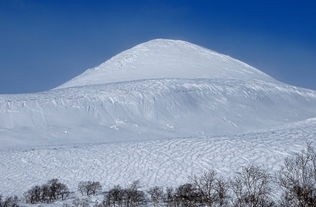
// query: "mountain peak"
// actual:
[[167, 59]]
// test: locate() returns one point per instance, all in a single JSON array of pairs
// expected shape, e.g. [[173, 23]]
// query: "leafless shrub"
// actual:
[[252, 187], [213, 190], [33, 195], [11, 201], [133, 196], [57, 190], [187, 195], [89, 188], [49, 192], [114, 197], [297, 178], [156, 195], [129, 197], [169, 197]]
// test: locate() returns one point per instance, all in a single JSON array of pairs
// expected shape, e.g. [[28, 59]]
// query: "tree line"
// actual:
[[294, 185]]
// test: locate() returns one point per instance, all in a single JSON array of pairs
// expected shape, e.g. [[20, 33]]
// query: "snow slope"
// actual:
[[149, 109], [159, 162], [158, 89], [161, 59]]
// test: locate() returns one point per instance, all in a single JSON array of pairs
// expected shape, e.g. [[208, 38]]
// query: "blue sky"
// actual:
[[45, 43]]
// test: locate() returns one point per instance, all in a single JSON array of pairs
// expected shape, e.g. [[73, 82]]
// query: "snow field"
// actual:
[[160, 162]]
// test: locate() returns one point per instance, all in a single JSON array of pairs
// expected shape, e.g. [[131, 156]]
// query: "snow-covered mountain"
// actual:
[[160, 112], [158, 89], [161, 59]]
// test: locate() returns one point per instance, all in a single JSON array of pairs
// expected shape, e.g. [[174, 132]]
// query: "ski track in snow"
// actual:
[[161, 162]]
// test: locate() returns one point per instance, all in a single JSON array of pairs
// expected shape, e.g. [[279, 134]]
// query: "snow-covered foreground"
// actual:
[[161, 162]]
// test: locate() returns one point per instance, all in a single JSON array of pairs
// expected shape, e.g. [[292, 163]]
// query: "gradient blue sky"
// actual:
[[45, 43]]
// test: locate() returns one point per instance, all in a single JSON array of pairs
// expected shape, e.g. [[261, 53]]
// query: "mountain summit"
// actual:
[[164, 58]]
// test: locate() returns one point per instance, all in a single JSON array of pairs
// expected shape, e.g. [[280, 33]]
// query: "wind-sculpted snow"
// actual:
[[160, 162], [149, 109], [162, 58], [158, 89]]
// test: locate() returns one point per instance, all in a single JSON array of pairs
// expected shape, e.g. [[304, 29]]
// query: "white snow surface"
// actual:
[[160, 112], [160, 162], [162, 58], [149, 109]]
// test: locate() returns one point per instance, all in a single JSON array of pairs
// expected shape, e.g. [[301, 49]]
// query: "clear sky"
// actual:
[[45, 43]]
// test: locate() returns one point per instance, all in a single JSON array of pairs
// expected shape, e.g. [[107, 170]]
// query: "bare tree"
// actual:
[[169, 197], [252, 188], [186, 195], [11, 201], [89, 188], [49, 192], [156, 195], [222, 192], [58, 190], [46, 195], [213, 190], [297, 178], [129, 197], [33, 195], [114, 197], [94, 188], [133, 196]]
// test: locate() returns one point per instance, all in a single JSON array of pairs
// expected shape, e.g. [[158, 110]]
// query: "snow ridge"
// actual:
[[150, 109]]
